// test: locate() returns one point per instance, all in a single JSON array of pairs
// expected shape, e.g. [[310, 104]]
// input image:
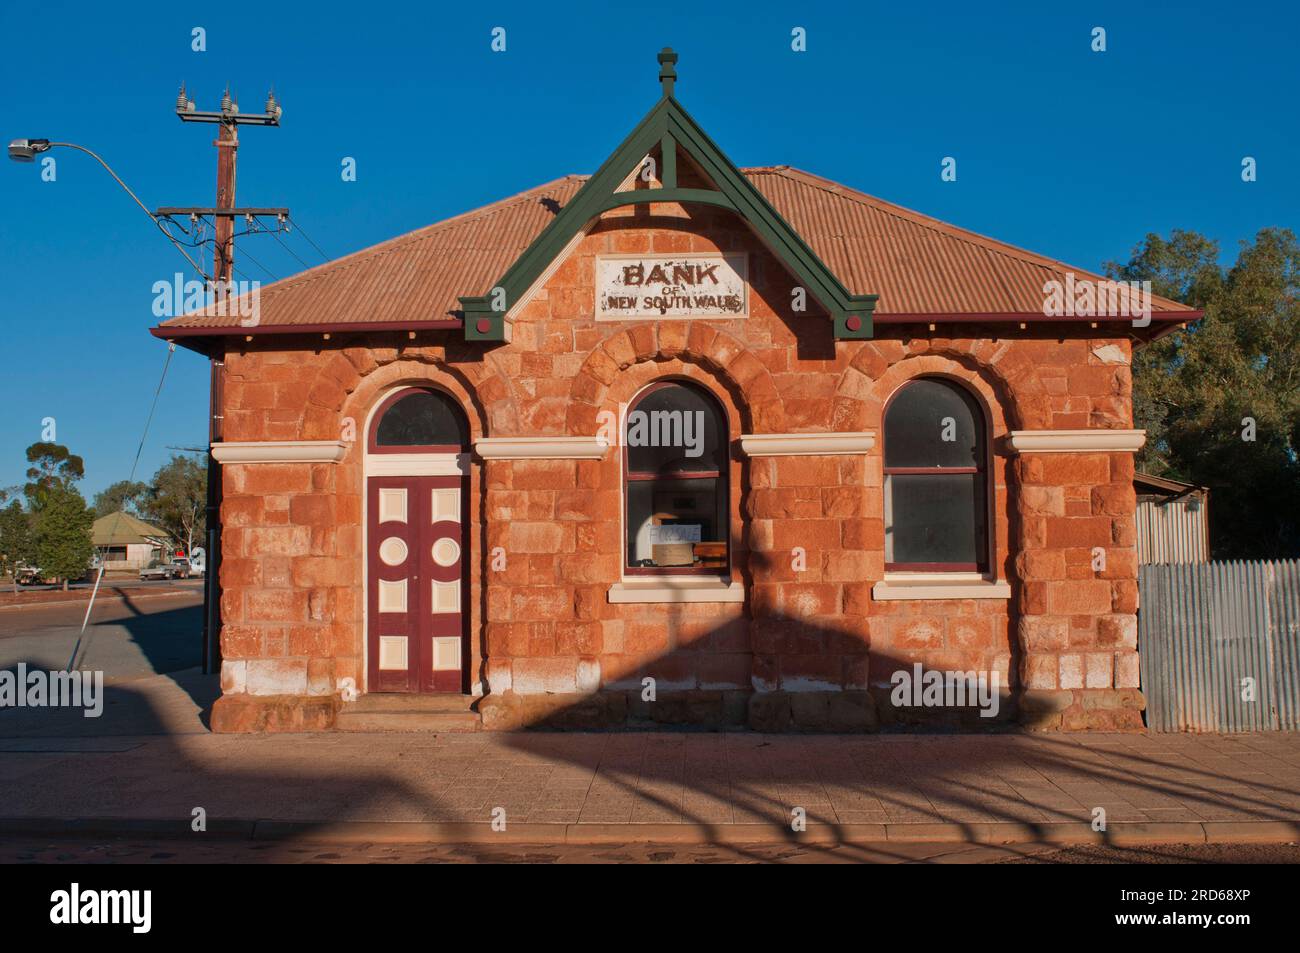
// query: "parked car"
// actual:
[[27, 575], [157, 569], [181, 568]]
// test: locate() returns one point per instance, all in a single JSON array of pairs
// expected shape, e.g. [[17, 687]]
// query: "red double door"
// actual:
[[417, 640]]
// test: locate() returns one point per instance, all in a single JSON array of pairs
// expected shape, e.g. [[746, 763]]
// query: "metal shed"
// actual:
[[1172, 520]]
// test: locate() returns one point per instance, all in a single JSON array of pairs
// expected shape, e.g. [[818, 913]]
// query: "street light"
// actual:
[[26, 150]]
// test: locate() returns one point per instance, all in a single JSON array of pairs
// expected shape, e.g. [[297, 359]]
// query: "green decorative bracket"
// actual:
[[669, 126], [854, 325], [481, 322]]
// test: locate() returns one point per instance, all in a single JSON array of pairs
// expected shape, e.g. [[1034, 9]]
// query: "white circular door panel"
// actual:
[[446, 551], [393, 551]]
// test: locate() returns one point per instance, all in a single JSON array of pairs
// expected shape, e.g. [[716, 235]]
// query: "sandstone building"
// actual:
[[681, 443]]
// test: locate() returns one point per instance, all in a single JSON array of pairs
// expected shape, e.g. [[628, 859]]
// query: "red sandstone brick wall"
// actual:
[[293, 572]]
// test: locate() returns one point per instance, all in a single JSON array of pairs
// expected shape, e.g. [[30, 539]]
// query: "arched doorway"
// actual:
[[417, 637]]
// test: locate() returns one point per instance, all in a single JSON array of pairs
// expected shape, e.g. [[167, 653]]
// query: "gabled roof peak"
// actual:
[[671, 129]]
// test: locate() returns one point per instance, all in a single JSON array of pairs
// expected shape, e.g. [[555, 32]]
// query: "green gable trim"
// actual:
[[669, 126]]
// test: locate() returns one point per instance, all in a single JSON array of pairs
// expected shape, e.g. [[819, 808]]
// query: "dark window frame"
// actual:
[[722, 491], [982, 468], [372, 437]]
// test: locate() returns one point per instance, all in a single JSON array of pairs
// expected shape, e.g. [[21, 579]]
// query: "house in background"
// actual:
[[124, 541], [1173, 523]]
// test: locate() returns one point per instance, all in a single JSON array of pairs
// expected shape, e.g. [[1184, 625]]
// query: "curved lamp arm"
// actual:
[[125, 188]]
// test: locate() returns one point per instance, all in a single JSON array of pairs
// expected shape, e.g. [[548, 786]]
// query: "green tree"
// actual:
[[1221, 400], [52, 465], [16, 544], [128, 496], [178, 499], [63, 546]]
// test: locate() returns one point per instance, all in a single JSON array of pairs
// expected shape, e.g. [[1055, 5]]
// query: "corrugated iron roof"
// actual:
[[918, 265], [121, 529], [1150, 483]]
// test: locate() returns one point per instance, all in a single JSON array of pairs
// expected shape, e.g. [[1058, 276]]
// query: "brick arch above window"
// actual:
[[991, 399], [384, 379], [690, 347], [482, 393], [1012, 400]]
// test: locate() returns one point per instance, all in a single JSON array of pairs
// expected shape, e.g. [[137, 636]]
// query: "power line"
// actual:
[[276, 235], [153, 218], [308, 237], [171, 349], [243, 251]]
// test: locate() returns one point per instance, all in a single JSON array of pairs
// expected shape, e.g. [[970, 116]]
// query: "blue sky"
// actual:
[[1067, 152]]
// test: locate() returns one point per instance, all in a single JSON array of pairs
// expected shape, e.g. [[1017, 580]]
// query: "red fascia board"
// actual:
[[167, 333], [1032, 317], [448, 324]]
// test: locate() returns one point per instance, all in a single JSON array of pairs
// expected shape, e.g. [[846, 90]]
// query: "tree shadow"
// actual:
[[139, 761], [927, 765]]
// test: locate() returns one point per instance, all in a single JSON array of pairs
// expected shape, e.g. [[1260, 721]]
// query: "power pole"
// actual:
[[224, 213]]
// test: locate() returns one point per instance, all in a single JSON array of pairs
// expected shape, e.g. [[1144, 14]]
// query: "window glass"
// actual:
[[673, 428], [676, 481], [933, 423], [422, 419], [935, 519], [935, 481]]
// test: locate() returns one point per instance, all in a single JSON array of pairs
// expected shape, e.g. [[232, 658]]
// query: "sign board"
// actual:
[[671, 286], [675, 533]]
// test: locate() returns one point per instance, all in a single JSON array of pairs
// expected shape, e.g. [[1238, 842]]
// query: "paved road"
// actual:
[[116, 579], [217, 851], [130, 637]]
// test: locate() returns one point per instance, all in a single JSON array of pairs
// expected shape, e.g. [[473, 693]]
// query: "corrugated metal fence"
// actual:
[[1203, 629]]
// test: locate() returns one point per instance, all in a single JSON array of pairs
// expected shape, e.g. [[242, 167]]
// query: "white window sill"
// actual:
[[927, 585], [676, 589]]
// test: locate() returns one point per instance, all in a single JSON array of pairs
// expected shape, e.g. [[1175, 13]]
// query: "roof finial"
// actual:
[[667, 75]]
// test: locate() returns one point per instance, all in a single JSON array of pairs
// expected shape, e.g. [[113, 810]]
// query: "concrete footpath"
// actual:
[[630, 787]]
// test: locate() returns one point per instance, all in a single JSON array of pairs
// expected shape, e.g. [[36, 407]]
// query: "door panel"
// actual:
[[417, 639], [393, 575], [444, 565]]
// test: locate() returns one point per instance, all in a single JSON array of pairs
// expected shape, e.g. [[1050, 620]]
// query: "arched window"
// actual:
[[418, 420], [936, 503], [675, 481]]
